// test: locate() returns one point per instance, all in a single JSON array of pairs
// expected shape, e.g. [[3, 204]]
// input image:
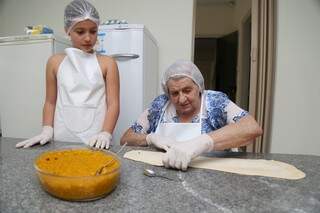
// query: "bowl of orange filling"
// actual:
[[70, 174]]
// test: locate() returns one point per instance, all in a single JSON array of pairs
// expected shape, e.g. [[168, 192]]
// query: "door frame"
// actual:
[[241, 60], [262, 69]]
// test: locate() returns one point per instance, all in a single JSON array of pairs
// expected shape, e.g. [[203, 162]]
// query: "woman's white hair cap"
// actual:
[[183, 68], [79, 10]]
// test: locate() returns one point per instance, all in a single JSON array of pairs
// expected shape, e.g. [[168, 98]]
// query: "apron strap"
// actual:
[[167, 104]]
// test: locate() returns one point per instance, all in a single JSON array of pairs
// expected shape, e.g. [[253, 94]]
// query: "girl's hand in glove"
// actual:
[[45, 136], [101, 140]]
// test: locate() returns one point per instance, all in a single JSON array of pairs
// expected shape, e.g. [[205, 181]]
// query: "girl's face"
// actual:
[[84, 35]]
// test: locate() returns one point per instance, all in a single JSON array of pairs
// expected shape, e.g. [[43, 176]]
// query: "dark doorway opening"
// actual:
[[217, 60]]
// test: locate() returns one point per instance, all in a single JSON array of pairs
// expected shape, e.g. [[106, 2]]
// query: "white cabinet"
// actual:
[[136, 52], [22, 82]]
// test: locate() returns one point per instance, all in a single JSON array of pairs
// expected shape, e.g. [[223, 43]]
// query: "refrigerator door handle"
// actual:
[[124, 56]]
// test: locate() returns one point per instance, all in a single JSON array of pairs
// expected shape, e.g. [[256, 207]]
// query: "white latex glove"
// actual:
[[45, 136], [101, 140], [160, 142], [180, 155]]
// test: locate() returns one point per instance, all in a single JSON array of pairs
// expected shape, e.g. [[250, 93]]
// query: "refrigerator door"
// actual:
[[22, 83], [126, 47]]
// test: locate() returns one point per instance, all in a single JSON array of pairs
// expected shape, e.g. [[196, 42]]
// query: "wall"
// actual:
[[1, 17], [295, 120], [170, 21], [242, 8], [218, 18], [214, 20]]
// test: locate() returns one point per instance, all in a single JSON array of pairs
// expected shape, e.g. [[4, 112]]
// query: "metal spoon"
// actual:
[[99, 171], [151, 173]]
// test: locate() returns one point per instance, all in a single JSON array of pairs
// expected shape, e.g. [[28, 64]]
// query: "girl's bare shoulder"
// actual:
[[56, 58], [106, 63], [54, 62], [106, 59]]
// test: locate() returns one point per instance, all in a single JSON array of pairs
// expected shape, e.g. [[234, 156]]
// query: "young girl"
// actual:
[[82, 88]]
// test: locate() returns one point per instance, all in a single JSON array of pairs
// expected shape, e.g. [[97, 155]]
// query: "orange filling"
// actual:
[[71, 173]]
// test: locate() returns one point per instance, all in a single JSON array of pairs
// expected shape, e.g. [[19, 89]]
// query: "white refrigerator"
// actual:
[[22, 81], [136, 52]]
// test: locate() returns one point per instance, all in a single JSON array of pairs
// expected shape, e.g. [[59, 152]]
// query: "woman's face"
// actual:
[[185, 96], [84, 35]]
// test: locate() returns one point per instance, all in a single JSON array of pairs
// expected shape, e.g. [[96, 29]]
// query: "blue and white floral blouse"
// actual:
[[218, 111]]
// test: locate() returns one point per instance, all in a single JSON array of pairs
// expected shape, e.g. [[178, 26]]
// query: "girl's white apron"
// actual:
[[81, 97]]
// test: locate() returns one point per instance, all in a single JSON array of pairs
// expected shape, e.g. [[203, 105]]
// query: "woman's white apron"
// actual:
[[180, 131]]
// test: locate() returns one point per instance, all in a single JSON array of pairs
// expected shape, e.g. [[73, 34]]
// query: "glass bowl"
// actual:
[[69, 173]]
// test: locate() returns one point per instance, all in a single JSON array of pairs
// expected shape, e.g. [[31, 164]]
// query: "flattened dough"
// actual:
[[260, 167]]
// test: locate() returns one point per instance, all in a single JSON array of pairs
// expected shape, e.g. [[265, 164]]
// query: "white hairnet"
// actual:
[[79, 10], [183, 68]]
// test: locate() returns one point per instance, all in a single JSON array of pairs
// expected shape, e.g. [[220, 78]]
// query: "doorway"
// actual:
[[217, 61], [222, 47], [254, 21]]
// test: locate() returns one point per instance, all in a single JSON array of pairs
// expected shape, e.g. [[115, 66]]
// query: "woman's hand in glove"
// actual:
[[160, 142], [180, 155]]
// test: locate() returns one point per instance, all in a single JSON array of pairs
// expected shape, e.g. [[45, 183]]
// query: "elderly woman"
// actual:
[[187, 120]]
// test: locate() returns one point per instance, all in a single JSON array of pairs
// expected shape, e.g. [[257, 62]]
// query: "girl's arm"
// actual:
[[49, 105], [112, 94], [51, 90]]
